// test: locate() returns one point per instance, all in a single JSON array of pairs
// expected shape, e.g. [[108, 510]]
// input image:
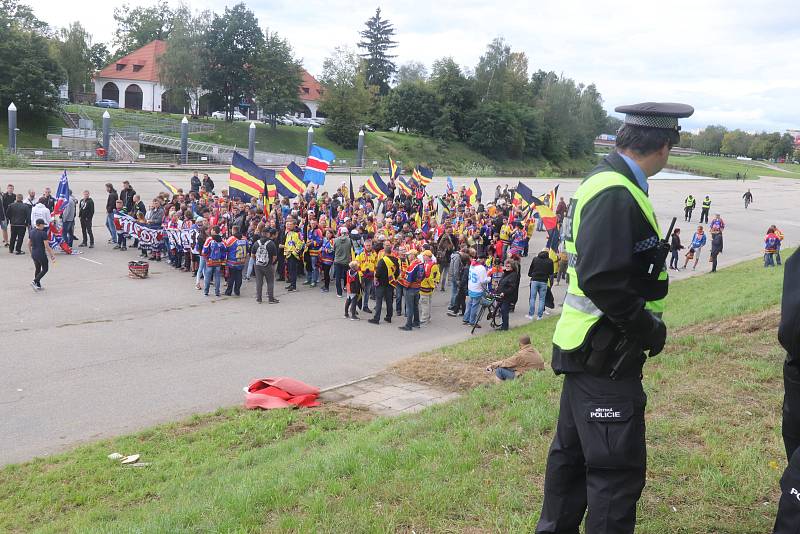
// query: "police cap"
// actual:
[[655, 114]]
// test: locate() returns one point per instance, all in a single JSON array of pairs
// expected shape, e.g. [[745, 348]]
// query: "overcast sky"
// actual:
[[735, 61]]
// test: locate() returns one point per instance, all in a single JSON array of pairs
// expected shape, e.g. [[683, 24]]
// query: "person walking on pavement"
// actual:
[[699, 240], [39, 247], [748, 198], [413, 275], [85, 215], [788, 516], [8, 198], [610, 319], [706, 207], [688, 207], [674, 247]]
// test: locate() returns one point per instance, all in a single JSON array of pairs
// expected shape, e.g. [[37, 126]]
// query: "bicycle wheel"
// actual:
[[477, 319], [495, 311]]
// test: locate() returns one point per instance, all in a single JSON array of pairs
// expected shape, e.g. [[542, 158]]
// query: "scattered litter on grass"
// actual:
[[115, 456], [133, 458], [139, 464]]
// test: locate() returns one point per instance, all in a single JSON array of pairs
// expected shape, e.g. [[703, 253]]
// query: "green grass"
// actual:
[[451, 157], [720, 167], [32, 129], [475, 464]]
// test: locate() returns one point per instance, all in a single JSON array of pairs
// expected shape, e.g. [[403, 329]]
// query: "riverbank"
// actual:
[[474, 464]]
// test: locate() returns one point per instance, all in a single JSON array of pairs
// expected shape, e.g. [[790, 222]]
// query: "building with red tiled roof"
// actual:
[[133, 82]]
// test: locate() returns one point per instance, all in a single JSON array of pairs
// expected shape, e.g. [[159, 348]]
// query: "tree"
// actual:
[[278, 75], [180, 67], [502, 75], [31, 73], [613, 124], [347, 99], [709, 140], [736, 143], [413, 71], [412, 106], [99, 56], [376, 41], [229, 56], [454, 92], [74, 55], [443, 127], [784, 148], [495, 131], [140, 25]]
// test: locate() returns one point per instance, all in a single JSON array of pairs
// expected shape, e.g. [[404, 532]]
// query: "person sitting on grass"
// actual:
[[526, 359]]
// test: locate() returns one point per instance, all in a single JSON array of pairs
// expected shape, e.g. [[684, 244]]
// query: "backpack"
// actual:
[[262, 254]]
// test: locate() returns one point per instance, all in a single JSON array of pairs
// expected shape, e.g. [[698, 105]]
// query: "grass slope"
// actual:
[[475, 464], [451, 157], [720, 167], [32, 129]]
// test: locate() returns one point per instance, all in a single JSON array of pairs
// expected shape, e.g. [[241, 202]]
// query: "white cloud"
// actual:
[[732, 59]]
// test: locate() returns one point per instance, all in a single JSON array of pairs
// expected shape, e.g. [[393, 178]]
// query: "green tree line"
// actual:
[[716, 139]]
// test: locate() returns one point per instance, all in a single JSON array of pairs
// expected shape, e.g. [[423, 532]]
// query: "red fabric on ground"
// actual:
[[280, 392]]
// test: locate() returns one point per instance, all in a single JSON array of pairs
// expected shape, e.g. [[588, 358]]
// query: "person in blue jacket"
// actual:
[[696, 247]]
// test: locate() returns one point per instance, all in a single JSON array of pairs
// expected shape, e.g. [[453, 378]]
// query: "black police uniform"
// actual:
[[602, 464], [788, 518]]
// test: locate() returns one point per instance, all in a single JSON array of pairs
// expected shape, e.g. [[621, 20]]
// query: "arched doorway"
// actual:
[[303, 111], [133, 97], [110, 92]]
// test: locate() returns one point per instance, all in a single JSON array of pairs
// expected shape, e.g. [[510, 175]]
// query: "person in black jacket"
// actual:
[[85, 215], [788, 517], [126, 196], [539, 272], [463, 281], [111, 204], [194, 185], [716, 249], [19, 218], [507, 290], [208, 184], [8, 198], [674, 247]]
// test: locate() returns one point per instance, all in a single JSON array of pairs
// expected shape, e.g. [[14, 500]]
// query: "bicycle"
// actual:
[[491, 306]]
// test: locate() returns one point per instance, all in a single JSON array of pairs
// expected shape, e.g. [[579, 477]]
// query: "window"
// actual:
[[305, 90], [137, 68], [120, 66]]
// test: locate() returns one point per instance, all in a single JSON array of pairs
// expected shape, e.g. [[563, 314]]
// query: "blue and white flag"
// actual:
[[317, 163], [62, 194]]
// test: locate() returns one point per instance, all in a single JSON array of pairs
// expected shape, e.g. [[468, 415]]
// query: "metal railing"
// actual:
[[120, 149], [150, 122], [217, 153]]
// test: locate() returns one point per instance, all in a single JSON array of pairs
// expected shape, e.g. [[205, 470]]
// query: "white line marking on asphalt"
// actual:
[[87, 259]]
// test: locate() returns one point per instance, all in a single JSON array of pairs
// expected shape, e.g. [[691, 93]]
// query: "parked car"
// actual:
[[107, 103], [237, 116], [321, 120]]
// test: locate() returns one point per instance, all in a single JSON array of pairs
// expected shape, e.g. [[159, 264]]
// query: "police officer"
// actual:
[[788, 520], [706, 207], [610, 318]]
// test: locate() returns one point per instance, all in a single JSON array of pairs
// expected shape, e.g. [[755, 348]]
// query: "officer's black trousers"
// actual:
[[788, 519], [598, 456]]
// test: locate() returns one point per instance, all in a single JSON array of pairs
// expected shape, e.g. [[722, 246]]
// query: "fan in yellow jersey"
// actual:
[[366, 262], [293, 251]]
